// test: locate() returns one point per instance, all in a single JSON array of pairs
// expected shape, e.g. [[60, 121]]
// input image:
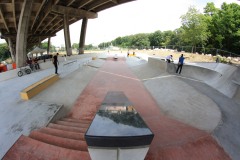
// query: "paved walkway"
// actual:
[[21, 117]]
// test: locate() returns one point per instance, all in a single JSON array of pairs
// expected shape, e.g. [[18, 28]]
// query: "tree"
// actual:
[[140, 40], [224, 26], [195, 28], [230, 20], [75, 46], [167, 38], [4, 51], [44, 45], [156, 38], [89, 47]]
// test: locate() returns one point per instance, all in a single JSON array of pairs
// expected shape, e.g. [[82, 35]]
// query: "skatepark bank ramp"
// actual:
[[222, 77]]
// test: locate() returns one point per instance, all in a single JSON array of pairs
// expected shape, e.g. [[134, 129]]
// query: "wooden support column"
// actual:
[[49, 45], [22, 33], [83, 36], [67, 36], [12, 49], [39, 42]]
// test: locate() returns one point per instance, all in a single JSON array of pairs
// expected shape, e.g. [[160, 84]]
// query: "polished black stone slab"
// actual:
[[117, 124]]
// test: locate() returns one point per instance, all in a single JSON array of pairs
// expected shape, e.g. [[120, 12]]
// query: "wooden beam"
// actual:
[[41, 17], [98, 4], [5, 1], [114, 1], [70, 2], [83, 3], [14, 15], [73, 12], [4, 36], [56, 2], [4, 21], [38, 12], [48, 24], [54, 25]]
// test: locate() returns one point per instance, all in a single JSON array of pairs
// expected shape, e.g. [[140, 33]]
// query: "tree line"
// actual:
[[214, 28]]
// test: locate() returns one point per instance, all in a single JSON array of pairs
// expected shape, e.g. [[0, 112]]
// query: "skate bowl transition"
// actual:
[[204, 95], [222, 77]]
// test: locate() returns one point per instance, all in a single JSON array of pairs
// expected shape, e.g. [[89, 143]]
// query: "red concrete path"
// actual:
[[173, 140]]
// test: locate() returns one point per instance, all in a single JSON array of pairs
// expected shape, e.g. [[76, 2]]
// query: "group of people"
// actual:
[[33, 63], [180, 62]]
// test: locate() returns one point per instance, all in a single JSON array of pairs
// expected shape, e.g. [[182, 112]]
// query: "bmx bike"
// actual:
[[24, 71]]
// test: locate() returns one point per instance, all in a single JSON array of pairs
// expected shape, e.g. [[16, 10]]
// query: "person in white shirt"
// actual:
[[169, 58]]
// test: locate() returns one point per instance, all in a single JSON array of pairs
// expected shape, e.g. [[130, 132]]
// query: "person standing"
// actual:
[[180, 64], [169, 58], [56, 63]]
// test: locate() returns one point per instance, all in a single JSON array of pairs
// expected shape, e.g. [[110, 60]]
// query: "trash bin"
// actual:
[[14, 65]]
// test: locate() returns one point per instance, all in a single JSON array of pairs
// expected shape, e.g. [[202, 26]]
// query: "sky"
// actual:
[[140, 16]]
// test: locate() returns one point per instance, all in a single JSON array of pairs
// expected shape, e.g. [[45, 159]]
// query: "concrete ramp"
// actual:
[[237, 96], [180, 101], [225, 83], [146, 71], [236, 81], [222, 77], [199, 73]]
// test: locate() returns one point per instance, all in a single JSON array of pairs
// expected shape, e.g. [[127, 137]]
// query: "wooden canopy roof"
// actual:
[[47, 16]]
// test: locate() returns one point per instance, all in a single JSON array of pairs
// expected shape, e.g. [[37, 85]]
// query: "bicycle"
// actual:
[[23, 71]]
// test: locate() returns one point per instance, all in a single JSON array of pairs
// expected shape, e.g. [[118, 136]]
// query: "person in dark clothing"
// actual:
[[180, 64], [29, 63], [56, 63], [35, 64]]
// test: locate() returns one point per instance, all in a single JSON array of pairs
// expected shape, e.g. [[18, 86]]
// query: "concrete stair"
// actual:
[[63, 139]]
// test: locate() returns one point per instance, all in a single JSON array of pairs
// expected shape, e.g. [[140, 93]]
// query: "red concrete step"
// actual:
[[63, 134], [27, 148], [67, 128], [77, 120], [59, 141], [73, 124]]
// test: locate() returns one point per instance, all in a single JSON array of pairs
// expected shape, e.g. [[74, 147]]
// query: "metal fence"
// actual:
[[191, 49]]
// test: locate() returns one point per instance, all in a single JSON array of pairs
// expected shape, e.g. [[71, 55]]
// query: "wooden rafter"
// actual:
[[114, 1], [73, 12], [43, 15], [38, 12], [54, 25], [84, 2], [56, 2], [48, 23], [14, 15], [99, 3], [4, 21], [70, 2]]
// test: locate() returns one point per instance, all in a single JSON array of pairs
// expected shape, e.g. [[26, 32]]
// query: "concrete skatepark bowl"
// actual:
[[193, 116]]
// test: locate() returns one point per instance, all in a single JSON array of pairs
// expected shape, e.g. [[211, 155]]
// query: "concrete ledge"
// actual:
[[37, 87]]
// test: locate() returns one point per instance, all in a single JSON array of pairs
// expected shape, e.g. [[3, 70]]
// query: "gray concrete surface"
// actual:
[[187, 97], [192, 99], [184, 103], [227, 133], [19, 117]]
